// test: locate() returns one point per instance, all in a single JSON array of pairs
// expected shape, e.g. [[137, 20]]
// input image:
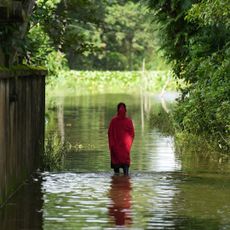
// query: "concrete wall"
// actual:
[[22, 103]]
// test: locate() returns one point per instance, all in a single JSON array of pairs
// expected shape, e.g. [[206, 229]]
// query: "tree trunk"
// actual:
[[20, 12], [28, 9], [2, 58]]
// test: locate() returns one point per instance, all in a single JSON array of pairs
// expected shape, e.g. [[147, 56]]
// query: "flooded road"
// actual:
[[162, 192]]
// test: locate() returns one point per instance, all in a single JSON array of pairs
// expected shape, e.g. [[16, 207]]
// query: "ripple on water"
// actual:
[[145, 200], [82, 200]]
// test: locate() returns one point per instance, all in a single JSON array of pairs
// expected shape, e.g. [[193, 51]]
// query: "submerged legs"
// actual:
[[125, 170]]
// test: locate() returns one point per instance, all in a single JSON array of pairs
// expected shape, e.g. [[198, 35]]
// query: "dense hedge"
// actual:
[[195, 37]]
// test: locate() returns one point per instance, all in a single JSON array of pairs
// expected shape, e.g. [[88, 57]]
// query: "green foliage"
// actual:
[[13, 27], [54, 153], [93, 82], [174, 30], [56, 149], [210, 12], [9, 41], [55, 63], [162, 121], [127, 34], [93, 35], [39, 45], [195, 37]]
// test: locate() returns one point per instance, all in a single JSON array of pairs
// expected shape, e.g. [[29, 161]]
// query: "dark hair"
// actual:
[[121, 104]]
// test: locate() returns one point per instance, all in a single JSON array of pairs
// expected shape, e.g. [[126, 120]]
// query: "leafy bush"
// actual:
[[195, 38], [162, 120], [54, 153]]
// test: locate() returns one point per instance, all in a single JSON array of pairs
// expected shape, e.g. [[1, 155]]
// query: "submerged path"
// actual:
[[163, 190]]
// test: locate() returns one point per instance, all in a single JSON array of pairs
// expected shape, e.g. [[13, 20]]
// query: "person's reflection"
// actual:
[[120, 195]]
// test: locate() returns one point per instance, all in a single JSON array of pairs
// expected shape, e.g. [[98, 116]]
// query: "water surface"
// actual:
[[162, 191]]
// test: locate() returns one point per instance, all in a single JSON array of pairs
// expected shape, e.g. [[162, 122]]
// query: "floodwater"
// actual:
[[163, 191]]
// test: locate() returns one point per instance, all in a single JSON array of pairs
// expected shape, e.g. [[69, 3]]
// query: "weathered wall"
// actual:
[[22, 102]]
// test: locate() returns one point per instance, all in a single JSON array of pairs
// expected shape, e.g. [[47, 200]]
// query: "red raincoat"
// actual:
[[121, 135]]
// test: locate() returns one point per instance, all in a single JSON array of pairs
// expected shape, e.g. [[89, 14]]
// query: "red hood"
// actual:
[[121, 112]]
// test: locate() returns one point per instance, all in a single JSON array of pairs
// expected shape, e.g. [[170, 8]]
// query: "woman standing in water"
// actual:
[[121, 135]]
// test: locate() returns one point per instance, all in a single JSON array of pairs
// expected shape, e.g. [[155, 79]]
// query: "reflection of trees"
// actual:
[[196, 155], [23, 211], [121, 199], [161, 120], [61, 124], [202, 202]]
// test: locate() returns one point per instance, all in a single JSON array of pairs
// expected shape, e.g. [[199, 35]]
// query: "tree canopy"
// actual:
[[101, 35]]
